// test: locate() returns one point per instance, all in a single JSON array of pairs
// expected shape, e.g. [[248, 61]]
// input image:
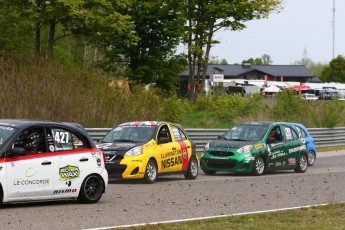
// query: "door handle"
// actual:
[[84, 159], [46, 163]]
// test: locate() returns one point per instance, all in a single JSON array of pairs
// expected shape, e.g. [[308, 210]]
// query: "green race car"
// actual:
[[256, 147]]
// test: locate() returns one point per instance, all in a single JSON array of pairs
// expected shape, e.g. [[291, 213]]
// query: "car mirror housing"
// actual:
[[270, 140], [17, 151], [163, 140]]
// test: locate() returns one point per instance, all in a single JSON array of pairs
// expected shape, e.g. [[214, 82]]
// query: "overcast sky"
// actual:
[[302, 24]]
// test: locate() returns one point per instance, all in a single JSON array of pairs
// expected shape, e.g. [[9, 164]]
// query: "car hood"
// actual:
[[123, 146], [230, 144]]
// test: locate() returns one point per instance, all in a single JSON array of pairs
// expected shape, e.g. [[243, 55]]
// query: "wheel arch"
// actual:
[[96, 174]]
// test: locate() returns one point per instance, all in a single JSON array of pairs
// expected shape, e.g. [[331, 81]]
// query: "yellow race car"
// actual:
[[146, 149]]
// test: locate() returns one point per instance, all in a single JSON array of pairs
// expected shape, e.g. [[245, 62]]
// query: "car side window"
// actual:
[[301, 131], [164, 134], [60, 139], [276, 134], [290, 134], [178, 133], [32, 140]]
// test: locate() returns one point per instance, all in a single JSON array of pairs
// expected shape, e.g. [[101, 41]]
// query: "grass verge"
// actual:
[[322, 217]]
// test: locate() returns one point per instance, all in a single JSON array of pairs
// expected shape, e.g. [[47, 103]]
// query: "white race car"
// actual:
[[42, 160]]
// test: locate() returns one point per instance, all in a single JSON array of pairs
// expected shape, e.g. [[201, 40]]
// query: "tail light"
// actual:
[[103, 154]]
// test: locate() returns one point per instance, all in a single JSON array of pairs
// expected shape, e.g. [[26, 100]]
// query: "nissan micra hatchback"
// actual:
[[146, 149], [256, 147], [42, 160]]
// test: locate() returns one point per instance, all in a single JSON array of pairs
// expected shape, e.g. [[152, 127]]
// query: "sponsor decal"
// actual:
[[259, 146], [184, 153], [0, 168], [170, 162], [6, 128], [30, 172], [278, 164], [51, 148], [270, 164], [18, 182], [69, 172], [276, 154], [77, 142], [99, 162], [292, 161], [284, 163], [296, 149], [64, 191], [68, 183]]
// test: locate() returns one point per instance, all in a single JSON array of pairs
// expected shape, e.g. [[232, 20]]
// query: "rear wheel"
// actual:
[[311, 158], [91, 189], [151, 172], [259, 166], [192, 171], [302, 163]]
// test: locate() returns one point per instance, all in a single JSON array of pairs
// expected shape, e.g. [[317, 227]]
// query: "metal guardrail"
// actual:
[[323, 136]]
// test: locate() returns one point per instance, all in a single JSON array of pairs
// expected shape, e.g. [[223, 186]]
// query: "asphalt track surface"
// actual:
[[172, 197]]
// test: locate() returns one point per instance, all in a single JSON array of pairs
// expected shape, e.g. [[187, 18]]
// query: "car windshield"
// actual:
[[246, 132], [130, 133], [5, 133]]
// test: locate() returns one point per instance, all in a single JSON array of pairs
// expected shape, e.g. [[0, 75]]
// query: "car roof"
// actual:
[[145, 123], [266, 123], [22, 123]]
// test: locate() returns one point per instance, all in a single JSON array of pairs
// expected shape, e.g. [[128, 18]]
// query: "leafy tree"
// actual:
[[14, 30], [215, 60], [205, 18], [100, 18], [159, 25], [335, 72], [266, 59], [316, 68]]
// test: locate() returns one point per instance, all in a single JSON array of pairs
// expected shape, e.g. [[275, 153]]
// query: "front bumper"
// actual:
[[127, 168], [240, 164]]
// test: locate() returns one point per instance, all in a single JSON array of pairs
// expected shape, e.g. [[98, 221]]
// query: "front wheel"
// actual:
[[259, 166], [192, 171], [91, 189], [311, 158], [150, 172], [302, 164]]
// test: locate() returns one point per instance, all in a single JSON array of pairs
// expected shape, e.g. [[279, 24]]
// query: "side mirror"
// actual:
[[17, 151], [270, 140], [162, 140]]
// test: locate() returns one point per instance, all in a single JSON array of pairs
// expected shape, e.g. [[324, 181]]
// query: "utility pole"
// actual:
[[333, 24]]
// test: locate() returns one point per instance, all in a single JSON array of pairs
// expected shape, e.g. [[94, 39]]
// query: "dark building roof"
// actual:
[[289, 72]]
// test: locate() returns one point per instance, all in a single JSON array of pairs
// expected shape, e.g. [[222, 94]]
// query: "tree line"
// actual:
[[137, 40], [133, 39]]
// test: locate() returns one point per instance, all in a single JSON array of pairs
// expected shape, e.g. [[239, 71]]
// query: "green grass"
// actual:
[[330, 148], [323, 217]]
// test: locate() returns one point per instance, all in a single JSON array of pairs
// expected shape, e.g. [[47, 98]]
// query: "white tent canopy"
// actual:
[[271, 89]]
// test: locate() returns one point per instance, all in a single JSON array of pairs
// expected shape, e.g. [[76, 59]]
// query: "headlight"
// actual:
[[245, 149], [134, 151], [207, 146]]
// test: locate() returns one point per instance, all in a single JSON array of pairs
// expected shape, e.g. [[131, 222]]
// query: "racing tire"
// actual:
[[150, 172], [1, 196], [91, 189], [259, 166], [192, 171], [302, 164], [210, 173], [311, 158]]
